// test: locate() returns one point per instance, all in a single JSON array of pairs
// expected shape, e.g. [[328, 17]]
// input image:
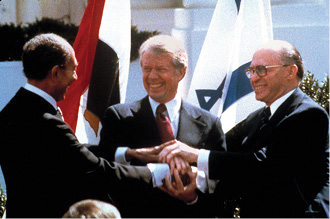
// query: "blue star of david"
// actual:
[[239, 86]]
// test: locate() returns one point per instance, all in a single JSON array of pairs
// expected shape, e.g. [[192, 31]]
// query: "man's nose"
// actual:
[[153, 74], [254, 76]]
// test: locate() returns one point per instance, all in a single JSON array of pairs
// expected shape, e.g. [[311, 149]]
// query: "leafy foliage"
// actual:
[[3, 200], [13, 38], [319, 93], [137, 38]]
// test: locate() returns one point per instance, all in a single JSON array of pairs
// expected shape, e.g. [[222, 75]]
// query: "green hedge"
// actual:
[[318, 91], [3, 200], [13, 37]]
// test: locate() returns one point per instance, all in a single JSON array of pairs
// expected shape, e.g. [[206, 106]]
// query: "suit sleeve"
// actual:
[[216, 138], [298, 147], [110, 133], [80, 159]]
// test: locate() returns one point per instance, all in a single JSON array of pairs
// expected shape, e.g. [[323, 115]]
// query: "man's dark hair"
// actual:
[[42, 53]]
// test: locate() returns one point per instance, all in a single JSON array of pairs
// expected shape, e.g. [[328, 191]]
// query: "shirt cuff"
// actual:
[[120, 155], [158, 172], [204, 184], [203, 161], [193, 202]]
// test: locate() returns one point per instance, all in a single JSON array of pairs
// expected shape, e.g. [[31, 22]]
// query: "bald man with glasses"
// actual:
[[277, 159]]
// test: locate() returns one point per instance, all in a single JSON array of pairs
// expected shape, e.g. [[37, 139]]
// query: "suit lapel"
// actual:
[[279, 116], [190, 128], [253, 124], [147, 118], [287, 107]]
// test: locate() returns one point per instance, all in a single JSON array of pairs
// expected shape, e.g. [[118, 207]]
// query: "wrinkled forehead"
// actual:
[[266, 56], [149, 58]]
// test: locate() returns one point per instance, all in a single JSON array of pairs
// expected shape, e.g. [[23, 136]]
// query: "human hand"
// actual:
[[180, 164], [180, 190], [177, 149], [145, 155]]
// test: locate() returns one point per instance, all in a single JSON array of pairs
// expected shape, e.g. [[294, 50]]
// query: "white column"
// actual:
[[190, 26], [8, 12], [59, 9], [28, 11]]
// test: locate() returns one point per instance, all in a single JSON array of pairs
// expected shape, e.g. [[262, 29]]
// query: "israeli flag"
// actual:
[[219, 83], [212, 66]]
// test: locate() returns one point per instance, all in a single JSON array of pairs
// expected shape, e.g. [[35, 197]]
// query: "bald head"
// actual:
[[287, 54]]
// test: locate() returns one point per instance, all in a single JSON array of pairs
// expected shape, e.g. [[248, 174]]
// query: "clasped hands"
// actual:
[[182, 183]]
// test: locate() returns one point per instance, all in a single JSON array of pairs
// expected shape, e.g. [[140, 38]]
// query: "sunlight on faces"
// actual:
[[274, 85], [160, 77], [67, 75]]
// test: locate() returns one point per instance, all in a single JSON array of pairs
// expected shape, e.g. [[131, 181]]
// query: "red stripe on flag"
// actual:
[[85, 47]]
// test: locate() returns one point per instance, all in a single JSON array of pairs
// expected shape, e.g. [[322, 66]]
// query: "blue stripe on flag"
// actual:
[[239, 86], [238, 4]]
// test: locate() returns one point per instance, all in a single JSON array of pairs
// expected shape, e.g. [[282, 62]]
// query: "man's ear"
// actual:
[[293, 70], [182, 73], [55, 74]]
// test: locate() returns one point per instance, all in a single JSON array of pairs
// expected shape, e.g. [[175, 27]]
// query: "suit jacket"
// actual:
[[278, 171], [45, 168], [134, 125]]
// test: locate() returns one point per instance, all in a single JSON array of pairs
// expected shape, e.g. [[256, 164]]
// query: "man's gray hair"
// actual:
[[164, 44]]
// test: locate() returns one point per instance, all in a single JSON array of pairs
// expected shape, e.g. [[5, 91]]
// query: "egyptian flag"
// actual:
[[102, 49], [219, 82]]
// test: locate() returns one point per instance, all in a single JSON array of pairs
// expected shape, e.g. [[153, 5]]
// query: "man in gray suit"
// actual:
[[130, 130]]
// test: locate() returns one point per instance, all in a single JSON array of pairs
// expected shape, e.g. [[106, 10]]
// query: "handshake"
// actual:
[[181, 182]]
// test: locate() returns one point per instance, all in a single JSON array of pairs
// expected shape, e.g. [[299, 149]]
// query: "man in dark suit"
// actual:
[[129, 130], [276, 164], [45, 168]]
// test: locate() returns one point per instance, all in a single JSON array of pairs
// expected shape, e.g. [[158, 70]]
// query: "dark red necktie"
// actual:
[[163, 124]]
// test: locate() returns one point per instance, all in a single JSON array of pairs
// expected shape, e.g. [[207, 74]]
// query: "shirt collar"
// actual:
[[274, 106], [42, 94], [173, 106]]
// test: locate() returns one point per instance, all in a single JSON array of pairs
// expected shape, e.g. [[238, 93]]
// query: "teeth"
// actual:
[[258, 87], [155, 85]]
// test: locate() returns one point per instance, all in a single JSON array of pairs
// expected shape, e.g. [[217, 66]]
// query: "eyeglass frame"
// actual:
[[250, 70]]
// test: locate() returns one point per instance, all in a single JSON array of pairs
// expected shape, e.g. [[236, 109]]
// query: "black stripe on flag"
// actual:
[[104, 83]]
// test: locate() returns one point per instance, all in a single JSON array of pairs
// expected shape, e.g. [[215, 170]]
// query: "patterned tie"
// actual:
[[163, 124]]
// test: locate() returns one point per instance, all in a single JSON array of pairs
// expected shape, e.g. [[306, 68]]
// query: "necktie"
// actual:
[[265, 117], [163, 124]]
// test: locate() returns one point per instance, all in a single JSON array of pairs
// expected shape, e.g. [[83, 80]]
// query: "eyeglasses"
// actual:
[[261, 70]]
